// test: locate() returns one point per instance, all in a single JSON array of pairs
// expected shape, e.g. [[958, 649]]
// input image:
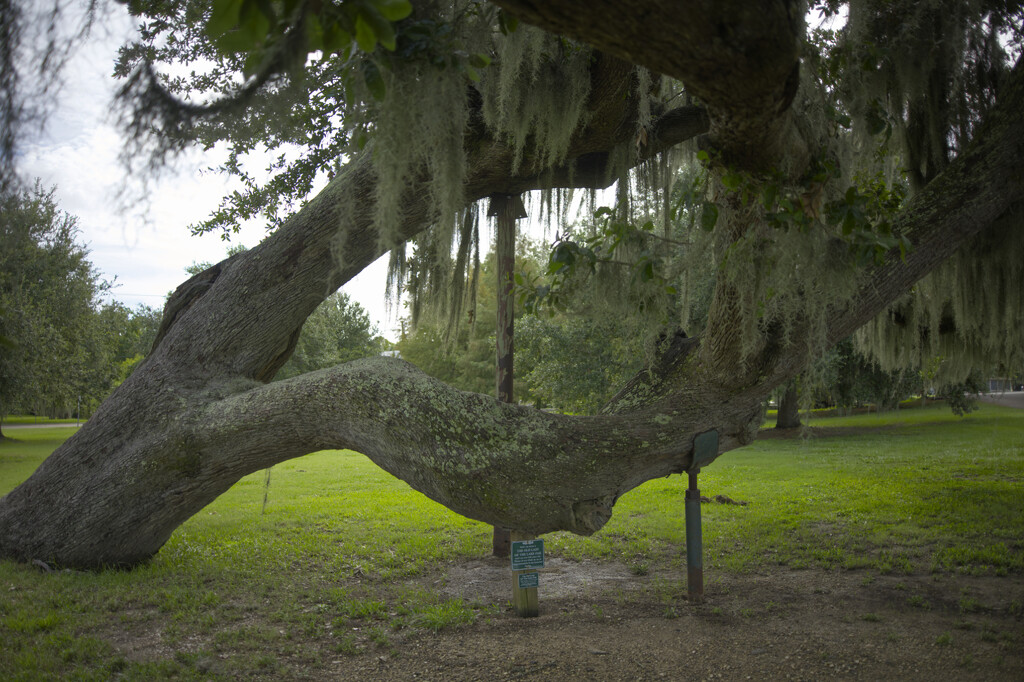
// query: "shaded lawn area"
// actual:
[[342, 556]]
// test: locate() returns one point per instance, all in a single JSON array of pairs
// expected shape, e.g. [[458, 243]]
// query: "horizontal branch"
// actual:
[[503, 464], [741, 59], [597, 170]]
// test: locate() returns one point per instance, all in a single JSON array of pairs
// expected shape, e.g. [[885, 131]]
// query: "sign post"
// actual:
[[527, 556]]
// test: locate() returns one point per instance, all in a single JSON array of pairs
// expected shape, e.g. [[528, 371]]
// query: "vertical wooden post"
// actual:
[[507, 209], [524, 599]]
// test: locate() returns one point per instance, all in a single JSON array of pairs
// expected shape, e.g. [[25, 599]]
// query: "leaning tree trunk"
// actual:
[[160, 448], [198, 414]]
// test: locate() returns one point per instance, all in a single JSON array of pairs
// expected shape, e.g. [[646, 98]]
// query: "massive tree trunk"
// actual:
[[198, 414]]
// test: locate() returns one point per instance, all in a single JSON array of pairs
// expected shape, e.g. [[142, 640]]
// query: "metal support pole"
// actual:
[[694, 543]]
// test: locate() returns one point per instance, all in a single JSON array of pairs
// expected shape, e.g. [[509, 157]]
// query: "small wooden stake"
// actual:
[[524, 599]]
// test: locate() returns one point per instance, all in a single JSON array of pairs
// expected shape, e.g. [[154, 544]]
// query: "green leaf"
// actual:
[[507, 23], [253, 26], [393, 10], [223, 17], [732, 181], [374, 80], [849, 222], [252, 62], [472, 74], [234, 42], [875, 120], [365, 37], [479, 61], [382, 28], [905, 247], [702, 156], [708, 216], [336, 41], [562, 256]]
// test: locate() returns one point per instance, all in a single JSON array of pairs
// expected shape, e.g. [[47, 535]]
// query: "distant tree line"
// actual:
[[63, 349], [574, 362]]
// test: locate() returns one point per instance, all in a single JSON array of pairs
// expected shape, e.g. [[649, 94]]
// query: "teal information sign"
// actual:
[[527, 580], [527, 554]]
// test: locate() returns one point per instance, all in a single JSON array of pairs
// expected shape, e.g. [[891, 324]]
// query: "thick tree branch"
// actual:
[[491, 461], [982, 189], [740, 58], [597, 170], [195, 417], [235, 326]]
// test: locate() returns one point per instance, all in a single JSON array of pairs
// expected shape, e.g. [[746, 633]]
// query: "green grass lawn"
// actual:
[[17, 419], [340, 544]]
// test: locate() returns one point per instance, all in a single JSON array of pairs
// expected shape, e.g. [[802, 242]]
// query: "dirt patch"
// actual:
[[489, 581], [599, 621]]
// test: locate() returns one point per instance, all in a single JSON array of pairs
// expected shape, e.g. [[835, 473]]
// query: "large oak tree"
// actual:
[[199, 413]]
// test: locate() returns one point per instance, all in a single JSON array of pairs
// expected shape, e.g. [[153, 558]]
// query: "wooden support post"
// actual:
[[507, 209], [524, 589]]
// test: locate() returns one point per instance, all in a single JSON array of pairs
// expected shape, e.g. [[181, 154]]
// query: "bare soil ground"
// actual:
[[600, 622]]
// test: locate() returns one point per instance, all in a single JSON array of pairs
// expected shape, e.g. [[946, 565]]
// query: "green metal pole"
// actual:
[[694, 543]]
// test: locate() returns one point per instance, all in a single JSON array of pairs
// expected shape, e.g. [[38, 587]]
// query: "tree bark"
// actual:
[[741, 59], [789, 408], [197, 414]]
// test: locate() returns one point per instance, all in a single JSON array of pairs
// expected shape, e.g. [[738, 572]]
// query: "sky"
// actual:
[[145, 250]]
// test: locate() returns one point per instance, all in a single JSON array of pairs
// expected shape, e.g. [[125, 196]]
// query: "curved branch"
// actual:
[[740, 58], [152, 114], [495, 462], [596, 170]]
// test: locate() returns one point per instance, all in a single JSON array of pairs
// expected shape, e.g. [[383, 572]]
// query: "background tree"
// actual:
[[449, 106], [573, 363], [846, 378], [127, 337], [48, 291], [452, 318], [338, 331]]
